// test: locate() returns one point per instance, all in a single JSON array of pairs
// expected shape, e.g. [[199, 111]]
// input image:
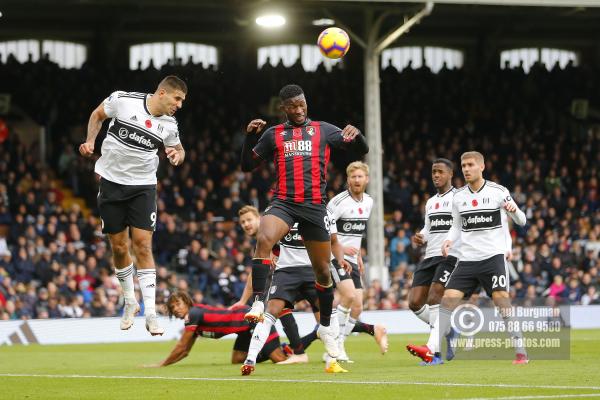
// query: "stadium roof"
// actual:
[[224, 21]]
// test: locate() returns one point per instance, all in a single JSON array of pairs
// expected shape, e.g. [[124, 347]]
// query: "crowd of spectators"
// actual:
[[55, 262]]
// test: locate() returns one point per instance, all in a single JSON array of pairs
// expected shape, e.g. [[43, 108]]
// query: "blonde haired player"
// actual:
[[479, 212], [141, 124], [350, 211]]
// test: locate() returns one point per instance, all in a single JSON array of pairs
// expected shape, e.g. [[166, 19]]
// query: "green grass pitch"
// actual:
[[112, 371]]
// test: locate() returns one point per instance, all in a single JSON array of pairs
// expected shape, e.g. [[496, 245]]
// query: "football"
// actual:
[[334, 42]]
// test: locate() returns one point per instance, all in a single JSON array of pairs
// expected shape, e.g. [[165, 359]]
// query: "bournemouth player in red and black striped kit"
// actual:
[[215, 322], [300, 151]]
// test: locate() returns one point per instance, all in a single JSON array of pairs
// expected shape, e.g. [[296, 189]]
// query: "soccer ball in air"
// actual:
[[333, 42]]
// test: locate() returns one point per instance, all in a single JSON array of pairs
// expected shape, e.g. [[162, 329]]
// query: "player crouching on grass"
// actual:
[[214, 323]]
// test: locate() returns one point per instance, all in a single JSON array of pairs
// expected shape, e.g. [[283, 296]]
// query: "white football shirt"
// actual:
[[438, 221], [129, 151], [480, 221], [350, 218], [292, 252]]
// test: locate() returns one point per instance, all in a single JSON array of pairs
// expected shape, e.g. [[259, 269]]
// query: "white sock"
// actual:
[[349, 326], [147, 279], [335, 328], [342, 314], [260, 336], [434, 335], [125, 277], [424, 314]]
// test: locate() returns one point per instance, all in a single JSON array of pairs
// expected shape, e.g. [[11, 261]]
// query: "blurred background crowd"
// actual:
[[55, 262]]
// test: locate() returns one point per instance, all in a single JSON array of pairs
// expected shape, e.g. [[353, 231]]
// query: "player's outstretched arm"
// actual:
[[181, 350], [94, 125], [250, 160]]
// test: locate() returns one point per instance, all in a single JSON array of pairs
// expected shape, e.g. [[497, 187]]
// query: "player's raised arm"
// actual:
[[513, 209], [252, 148], [94, 124], [348, 138]]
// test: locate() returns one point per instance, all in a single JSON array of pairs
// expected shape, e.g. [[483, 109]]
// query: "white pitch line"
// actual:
[[338, 382], [551, 396]]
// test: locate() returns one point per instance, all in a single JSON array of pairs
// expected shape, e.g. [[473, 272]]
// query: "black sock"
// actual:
[[291, 330], [260, 273], [308, 339], [325, 295], [361, 327]]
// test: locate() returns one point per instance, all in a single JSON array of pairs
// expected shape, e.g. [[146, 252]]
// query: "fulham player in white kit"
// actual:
[[141, 124], [349, 212], [432, 273], [479, 212]]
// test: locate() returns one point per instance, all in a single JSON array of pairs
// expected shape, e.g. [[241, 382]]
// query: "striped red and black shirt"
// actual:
[[300, 155], [216, 322]]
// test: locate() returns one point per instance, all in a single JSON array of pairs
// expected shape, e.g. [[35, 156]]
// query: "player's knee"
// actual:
[[434, 297], [120, 249], [142, 247], [264, 242], [323, 279], [357, 308], [415, 305]]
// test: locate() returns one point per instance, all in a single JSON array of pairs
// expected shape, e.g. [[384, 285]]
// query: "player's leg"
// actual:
[[113, 215], [355, 308], [443, 270], [119, 243], [417, 302], [462, 279], [417, 295], [146, 272], [346, 291], [141, 218], [273, 226], [262, 333], [320, 253], [498, 284], [272, 349], [302, 288]]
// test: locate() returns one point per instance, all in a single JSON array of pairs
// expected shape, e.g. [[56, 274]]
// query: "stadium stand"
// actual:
[[54, 260]]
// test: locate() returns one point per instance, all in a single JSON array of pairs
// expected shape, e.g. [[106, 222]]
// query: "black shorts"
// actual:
[[339, 274], [242, 343], [293, 284], [121, 206], [312, 219], [434, 270], [491, 274]]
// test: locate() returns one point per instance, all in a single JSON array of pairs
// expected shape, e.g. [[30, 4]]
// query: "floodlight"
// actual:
[[270, 21]]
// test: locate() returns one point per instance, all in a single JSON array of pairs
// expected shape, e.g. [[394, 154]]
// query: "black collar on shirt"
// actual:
[[448, 191], [352, 197], [290, 124], [480, 189]]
